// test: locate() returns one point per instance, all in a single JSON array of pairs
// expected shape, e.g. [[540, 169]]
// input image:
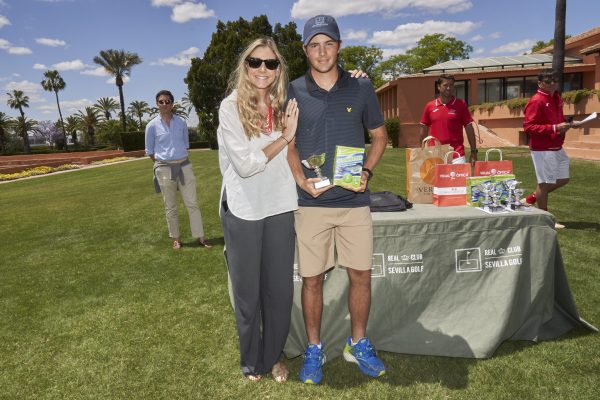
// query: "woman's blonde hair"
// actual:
[[247, 99]]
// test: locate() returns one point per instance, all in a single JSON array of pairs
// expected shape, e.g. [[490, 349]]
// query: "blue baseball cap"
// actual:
[[324, 24]]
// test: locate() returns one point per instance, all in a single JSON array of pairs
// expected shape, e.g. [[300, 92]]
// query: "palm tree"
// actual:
[[25, 125], [88, 121], [118, 63], [17, 100], [138, 109], [71, 127], [106, 105], [180, 110], [558, 52], [54, 83], [6, 123]]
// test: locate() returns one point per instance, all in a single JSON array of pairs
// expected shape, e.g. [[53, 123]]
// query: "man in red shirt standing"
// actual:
[[546, 125], [445, 117]]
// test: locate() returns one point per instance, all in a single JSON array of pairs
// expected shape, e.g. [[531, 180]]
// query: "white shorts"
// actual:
[[550, 165]]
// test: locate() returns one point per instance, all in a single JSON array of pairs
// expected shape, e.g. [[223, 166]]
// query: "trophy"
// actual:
[[517, 204], [486, 188], [315, 162]]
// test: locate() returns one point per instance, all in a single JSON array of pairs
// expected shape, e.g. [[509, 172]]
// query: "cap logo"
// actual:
[[320, 21]]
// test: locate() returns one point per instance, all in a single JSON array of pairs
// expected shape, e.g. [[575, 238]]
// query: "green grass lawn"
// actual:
[[94, 304]]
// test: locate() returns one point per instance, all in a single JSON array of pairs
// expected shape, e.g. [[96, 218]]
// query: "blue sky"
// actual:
[[36, 35]]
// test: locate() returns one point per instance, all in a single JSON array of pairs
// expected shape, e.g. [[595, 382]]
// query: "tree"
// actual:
[[138, 109], [540, 44], [106, 105], [392, 68], [435, 49], [88, 121], [6, 123], [360, 57], [25, 126], [71, 127], [558, 54], [118, 63], [49, 132], [53, 82], [17, 100], [208, 76]]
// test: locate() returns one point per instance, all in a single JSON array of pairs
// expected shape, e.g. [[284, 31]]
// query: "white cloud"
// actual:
[[307, 8], [69, 65], [167, 3], [111, 80], [51, 42], [21, 51], [68, 106], [188, 11], [409, 34], [479, 51], [514, 48], [4, 21], [351, 34], [12, 76], [39, 66], [181, 59], [476, 38], [30, 89], [495, 35], [387, 53], [10, 49], [100, 71]]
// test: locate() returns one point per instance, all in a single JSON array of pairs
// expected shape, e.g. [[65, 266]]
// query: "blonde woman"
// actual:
[[258, 197]]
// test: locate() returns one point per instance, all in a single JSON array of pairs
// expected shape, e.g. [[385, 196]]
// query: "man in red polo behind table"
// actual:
[[546, 125], [445, 117]]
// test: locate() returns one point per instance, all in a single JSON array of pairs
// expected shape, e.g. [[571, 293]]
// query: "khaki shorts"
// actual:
[[325, 232]]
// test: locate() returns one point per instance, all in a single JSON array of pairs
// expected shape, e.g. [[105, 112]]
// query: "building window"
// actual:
[[531, 85], [515, 87], [461, 90], [572, 81], [490, 90]]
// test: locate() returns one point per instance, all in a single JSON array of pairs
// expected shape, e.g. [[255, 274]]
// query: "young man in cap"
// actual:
[[334, 110]]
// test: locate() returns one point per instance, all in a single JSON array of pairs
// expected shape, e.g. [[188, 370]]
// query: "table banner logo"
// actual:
[[378, 266], [398, 264], [468, 260]]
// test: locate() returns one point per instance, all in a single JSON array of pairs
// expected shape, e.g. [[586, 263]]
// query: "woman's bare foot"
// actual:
[[279, 372]]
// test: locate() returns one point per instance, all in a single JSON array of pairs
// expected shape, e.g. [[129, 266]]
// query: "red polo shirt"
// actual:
[[446, 121], [542, 113]]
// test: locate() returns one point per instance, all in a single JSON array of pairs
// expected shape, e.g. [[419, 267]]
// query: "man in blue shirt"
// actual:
[[334, 110], [167, 143]]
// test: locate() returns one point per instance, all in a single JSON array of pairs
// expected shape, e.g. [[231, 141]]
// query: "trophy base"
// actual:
[[323, 183]]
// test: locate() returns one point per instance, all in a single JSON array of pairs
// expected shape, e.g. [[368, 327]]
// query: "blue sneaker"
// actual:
[[311, 371], [363, 354]]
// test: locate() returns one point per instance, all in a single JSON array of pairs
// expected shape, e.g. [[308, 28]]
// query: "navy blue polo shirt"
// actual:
[[330, 118]]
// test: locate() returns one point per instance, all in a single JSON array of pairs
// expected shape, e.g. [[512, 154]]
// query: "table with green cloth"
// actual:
[[451, 281]]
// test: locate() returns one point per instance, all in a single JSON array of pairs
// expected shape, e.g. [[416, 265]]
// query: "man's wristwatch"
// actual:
[[369, 172]]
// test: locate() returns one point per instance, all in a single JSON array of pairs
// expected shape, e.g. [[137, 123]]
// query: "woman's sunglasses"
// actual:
[[255, 63]]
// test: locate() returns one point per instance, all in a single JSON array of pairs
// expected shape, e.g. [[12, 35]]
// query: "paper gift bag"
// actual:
[[450, 183], [420, 163], [491, 168]]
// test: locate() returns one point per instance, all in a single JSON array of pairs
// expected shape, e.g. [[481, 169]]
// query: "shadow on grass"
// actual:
[[214, 241], [401, 370], [582, 225]]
